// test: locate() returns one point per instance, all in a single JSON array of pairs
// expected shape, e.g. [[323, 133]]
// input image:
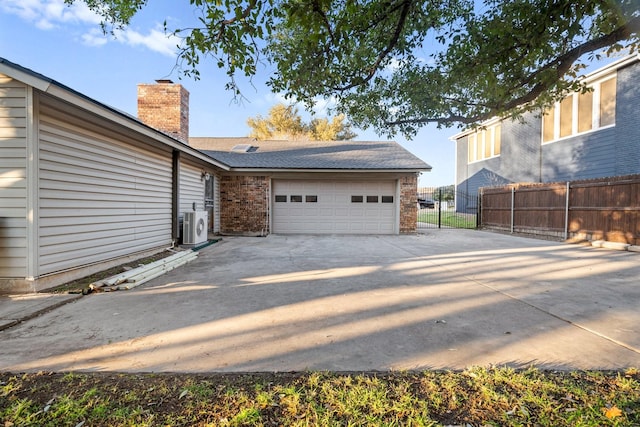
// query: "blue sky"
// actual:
[[67, 45]]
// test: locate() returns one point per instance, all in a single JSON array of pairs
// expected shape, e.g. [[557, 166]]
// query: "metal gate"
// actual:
[[443, 207]]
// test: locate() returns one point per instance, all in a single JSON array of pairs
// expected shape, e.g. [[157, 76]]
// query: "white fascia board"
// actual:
[[490, 122], [129, 123], [26, 78], [609, 68]]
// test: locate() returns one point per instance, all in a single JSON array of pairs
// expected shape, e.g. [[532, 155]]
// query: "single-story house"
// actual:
[[84, 186], [315, 187]]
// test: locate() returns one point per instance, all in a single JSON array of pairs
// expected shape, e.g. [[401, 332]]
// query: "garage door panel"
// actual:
[[388, 214], [341, 227], [373, 214], [332, 211]]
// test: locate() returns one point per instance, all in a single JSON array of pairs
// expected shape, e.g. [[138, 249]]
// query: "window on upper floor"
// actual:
[[581, 112], [484, 144], [608, 102]]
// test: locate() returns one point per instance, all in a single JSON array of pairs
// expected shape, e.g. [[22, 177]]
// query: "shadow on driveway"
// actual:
[[442, 300]]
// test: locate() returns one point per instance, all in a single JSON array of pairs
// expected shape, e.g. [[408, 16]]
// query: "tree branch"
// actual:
[[404, 13], [561, 64], [226, 22], [317, 9]]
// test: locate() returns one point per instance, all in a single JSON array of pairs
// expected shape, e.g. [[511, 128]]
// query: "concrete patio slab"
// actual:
[[446, 299], [19, 308]]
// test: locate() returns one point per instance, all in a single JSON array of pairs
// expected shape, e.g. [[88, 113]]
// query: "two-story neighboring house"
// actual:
[[586, 135]]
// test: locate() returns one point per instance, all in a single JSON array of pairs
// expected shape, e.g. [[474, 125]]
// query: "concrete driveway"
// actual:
[[445, 299]]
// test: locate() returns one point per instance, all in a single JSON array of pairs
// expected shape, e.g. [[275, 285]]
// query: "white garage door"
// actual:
[[334, 207]]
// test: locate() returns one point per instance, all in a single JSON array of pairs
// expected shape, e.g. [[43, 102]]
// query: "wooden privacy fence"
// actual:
[[596, 209]]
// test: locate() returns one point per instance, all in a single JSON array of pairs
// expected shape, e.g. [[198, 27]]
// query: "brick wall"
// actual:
[[165, 106], [244, 205], [408, 204]]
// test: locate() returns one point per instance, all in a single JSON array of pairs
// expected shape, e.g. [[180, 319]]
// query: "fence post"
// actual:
[[513, 198], [439, 207], [566, 215], [479, 209]]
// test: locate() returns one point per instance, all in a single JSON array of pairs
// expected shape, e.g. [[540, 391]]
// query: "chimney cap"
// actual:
[[164, 81]]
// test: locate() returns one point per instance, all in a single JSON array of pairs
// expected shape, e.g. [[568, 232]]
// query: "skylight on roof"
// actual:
[[243, 148]]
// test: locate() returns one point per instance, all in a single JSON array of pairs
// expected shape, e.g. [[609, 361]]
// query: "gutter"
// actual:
[[302, 170]]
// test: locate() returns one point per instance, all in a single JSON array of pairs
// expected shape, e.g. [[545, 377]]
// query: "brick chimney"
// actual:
[[165, 106]]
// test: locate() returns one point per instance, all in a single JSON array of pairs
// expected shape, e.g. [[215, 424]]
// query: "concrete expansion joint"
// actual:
[[561, 318]]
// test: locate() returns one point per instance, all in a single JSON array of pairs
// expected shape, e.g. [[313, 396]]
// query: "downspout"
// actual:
[[32, 166], [267, 229], [175, 196], [513, 199], [566, 214]]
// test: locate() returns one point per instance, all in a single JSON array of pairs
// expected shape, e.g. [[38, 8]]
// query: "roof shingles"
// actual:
[[346, 155]]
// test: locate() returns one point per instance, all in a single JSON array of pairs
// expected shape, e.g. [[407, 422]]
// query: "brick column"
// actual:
[[408, 204]]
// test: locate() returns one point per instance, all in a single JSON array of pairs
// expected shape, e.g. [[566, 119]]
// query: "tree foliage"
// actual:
[[397, 65], [284, 123]]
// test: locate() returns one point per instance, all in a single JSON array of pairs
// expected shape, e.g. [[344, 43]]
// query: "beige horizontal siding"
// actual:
[[13, 188], [100, 197], [191, 187]]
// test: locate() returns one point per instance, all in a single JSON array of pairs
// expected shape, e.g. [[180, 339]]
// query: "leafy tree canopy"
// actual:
[[399, 64], [284, 122]]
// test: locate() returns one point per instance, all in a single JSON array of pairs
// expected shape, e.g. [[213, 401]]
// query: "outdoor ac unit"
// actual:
[[194, 227]]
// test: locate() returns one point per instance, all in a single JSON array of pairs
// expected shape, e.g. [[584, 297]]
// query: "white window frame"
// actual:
[[480, 139], [595, 114]]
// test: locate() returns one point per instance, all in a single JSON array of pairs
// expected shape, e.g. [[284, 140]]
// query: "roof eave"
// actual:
[[326, 170], [130, 123], [75, 98]]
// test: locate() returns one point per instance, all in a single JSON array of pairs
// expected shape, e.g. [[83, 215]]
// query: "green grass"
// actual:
[[477, 397], [448, 218]]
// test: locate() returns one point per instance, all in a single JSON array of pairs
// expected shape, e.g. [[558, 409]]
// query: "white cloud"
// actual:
[[155, 40], [52, 14], [25, 9], [393, 65], [324, 106], [48, 14], [94, 37]]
